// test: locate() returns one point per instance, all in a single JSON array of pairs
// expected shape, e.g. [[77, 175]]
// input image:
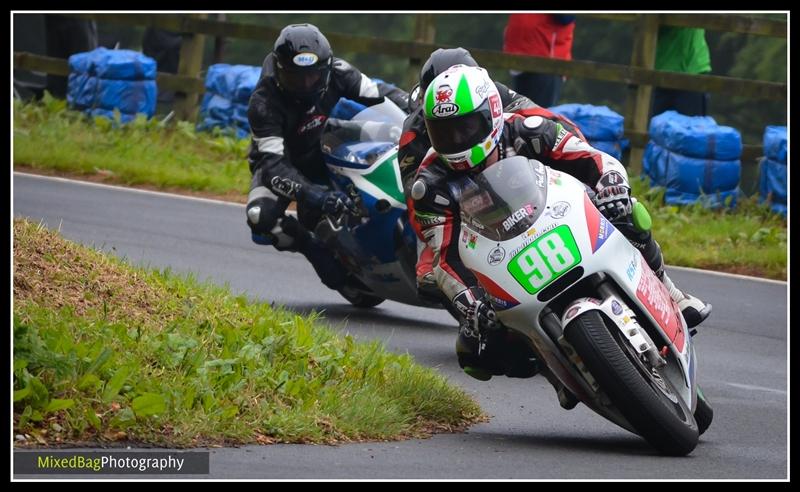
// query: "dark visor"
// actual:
[[458, 134], [302, 80]]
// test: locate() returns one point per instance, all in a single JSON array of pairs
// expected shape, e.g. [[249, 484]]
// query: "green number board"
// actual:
[[545, 259]]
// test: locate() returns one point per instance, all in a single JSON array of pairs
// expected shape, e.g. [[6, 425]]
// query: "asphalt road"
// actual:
[[742, 353]]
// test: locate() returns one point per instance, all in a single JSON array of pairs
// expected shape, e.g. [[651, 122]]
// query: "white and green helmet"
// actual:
[[464, 116]]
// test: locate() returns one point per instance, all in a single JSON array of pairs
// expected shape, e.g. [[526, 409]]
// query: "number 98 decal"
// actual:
[[545, 259]]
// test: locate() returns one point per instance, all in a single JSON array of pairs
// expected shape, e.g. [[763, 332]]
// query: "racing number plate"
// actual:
[[545, 259]]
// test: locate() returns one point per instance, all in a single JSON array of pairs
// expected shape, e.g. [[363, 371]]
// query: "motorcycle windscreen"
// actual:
[[364, 137], [505, 199]]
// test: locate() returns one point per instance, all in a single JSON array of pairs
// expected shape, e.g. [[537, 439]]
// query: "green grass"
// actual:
[[749, 240], [107, 352], [47, 136]]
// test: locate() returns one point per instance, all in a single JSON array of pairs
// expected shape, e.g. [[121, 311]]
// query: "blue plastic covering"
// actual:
[[687, 178], [103, 80], [772, 184], [775, 143], [114, 64], [614, 148], [695, 136], [123, 117], [598, 123], [228, 90]]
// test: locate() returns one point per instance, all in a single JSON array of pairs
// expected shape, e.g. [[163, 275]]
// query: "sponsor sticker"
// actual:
[[316, 121], [427, 220], [572, 312], [555, 178], [559, 210], [655, 297], [444, 94], [305, 59], [496, 256], [631, 270], [496, 107], [444, 110], [481, 90], [517, 216], [562, 133], [616, 308], [603, 231]]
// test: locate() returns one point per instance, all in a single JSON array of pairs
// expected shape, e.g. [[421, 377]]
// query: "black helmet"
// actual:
[[439, 61], [303, 61]]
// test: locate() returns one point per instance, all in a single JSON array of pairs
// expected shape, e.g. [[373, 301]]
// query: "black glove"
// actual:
[[613, 198], [481, 319], [331, 202], [261, 215]]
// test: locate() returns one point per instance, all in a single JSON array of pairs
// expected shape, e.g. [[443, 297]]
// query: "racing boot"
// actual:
[[693, 309], [328, 268], [638, 232]]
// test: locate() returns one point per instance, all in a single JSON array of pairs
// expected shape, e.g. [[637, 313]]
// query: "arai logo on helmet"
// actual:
[[444, 110], [305, 59]]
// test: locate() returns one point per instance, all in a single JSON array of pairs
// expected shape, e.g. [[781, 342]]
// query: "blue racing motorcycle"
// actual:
[[376, 244]]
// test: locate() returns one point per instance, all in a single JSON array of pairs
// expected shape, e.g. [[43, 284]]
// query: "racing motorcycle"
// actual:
[[375, 241], [571, 287]]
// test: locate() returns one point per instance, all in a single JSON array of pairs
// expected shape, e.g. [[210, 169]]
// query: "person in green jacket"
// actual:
[[681, 49]]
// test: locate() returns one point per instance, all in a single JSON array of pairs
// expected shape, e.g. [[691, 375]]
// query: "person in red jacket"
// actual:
[[547, 35]]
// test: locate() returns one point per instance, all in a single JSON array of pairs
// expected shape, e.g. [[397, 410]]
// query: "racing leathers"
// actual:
[[414, 144], [438, 217], [285, 148]]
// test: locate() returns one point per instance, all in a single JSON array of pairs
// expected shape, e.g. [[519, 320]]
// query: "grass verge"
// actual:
[[107, 352], [50, 139]]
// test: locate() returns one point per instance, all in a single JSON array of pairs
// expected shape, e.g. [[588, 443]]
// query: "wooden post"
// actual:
[[424, 32], [190, 64], [637, 104], [219, 42]]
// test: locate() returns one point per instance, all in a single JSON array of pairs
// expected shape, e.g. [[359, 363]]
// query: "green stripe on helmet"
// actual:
[[464, 96], [477, 155], [429, 101]]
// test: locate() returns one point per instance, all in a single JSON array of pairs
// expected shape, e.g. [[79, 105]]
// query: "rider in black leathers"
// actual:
[[301, 81]]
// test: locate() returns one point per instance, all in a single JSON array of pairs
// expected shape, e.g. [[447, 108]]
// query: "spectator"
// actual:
[[66, 36], [547, 35], [681, 49], [165, 48]]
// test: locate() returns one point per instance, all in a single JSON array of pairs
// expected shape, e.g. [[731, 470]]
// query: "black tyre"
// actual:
[[645, 398], [360, 299], [703, 413]]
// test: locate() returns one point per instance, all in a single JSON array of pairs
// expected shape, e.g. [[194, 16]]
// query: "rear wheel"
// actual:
[[360, 299], [642, 395]]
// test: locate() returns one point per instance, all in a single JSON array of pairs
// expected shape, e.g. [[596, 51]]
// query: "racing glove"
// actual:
[[331, 202], [613, 198]]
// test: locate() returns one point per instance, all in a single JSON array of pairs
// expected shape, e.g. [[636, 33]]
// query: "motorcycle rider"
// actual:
[[414, 141], [469, 131], [301, 82]]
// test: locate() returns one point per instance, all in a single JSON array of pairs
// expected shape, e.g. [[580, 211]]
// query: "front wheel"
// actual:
[[360, 299], [703, 413], [642, 395]]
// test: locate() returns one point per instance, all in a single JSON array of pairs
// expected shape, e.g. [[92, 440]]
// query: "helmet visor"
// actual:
[[461, 133], [302, 81]]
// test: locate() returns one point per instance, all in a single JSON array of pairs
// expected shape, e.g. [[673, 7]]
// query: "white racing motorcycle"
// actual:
[[601, 323]]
